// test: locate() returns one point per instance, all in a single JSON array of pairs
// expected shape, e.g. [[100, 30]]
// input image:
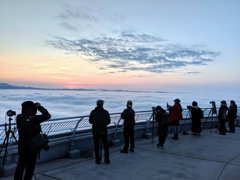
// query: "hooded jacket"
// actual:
[[128, 115], [99, 118], [196, 112], [232, 112], [28, 124], [175, 112], [222, 113]]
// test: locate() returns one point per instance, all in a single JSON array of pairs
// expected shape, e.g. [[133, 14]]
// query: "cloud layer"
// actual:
[[130, 51]]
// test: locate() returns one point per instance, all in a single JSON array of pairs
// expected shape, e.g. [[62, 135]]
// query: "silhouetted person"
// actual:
[[175, 112], [222, 116], [162, 119], [197, 115], [128, 127], [28, 124], [232, 115], [100, 118]]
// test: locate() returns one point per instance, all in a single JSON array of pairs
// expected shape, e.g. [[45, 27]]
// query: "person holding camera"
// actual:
[[197, 115], [100, 118], [175, 112], [232, 115], [222, 116], [128, 127], [162, 118], [28, 125]]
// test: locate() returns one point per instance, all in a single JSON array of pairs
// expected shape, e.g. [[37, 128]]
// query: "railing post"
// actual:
[[74, 152], [116, 141]]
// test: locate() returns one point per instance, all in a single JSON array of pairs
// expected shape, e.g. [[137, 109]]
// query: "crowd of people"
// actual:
[[28, 124], [163, 118]]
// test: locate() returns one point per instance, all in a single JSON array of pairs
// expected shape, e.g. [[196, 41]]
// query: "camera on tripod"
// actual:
[[11, 113], [214, 109]]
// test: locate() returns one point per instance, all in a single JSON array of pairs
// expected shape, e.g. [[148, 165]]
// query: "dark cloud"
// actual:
[[193, 72], [130, 51], [72, 13], [68, 26]]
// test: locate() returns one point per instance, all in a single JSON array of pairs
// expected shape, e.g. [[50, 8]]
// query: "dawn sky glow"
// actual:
[[155, 45]]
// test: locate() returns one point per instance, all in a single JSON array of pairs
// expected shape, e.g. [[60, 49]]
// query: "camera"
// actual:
[[11, 113], [153, 108], [189, 107]]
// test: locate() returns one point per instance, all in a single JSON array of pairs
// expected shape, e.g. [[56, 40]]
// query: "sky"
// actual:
[[140, 45]]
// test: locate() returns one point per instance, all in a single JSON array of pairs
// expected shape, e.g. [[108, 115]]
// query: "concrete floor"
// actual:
[[209, 157]]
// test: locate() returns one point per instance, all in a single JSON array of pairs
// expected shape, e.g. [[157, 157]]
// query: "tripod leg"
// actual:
[[14, 137], [211, 124], [6, 151], [153, 116], [3, 144]]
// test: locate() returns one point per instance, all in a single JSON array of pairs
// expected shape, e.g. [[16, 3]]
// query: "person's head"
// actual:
[[223, 103], [194, 103], [29, 108], [232, 103], [159, 108], [177, 101], [100, 103], [129, 103]]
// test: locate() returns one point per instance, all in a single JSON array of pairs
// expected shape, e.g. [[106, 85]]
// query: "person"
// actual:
[[162, 118], [128, 127], [100, 118], [175, 112], [232, 115], [28, 125], [197, 115], [222, 116]]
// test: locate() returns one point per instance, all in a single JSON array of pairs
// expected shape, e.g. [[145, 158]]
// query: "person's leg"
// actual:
[[126, 138], [161, 135], [96, 147], [20, 166], [231, 125], [106, 147], [30, 165], [165, 130], [132, 139], [222, 126]]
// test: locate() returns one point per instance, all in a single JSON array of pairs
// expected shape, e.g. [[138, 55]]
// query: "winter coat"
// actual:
[[99, 118], [162, 117], [128, 115], [197, 113], [175, 112], [232, 112], [29, 126], [222, 113]]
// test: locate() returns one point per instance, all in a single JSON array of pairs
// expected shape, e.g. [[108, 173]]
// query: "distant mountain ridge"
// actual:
[[9, 86]]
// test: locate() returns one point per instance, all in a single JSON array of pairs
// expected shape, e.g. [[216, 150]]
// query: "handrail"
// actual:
[[72, 125]]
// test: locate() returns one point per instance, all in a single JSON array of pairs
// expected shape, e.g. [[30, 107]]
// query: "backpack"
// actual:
[[39, 142]]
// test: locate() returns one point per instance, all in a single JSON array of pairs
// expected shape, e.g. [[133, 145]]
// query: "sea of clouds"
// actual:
[[61, 103]]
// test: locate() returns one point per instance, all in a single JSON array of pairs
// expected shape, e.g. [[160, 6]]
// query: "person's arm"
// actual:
[[168, 106], [91, 118], [123, 115], [44, 116], [108, 118]]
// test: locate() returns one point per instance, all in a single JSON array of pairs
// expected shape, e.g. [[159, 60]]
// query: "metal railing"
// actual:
[[72, 125]]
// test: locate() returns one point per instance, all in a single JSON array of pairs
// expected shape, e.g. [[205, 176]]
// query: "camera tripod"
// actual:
[[210, 115], [9, 134]]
